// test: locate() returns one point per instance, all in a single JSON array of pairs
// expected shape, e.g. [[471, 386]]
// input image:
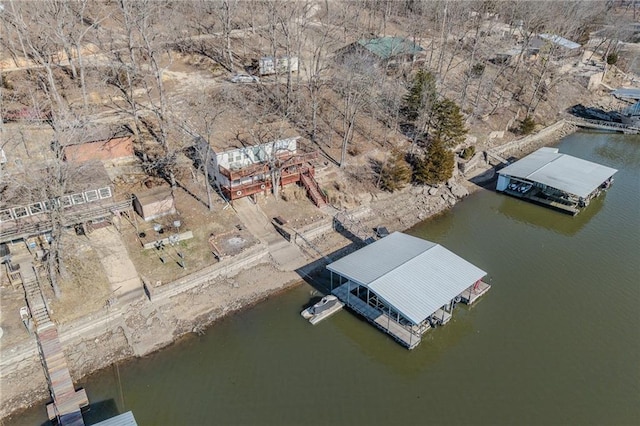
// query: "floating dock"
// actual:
[[537, 197], [550, 178], [473, 293], [441, 317], [404, 335], [405, 285]]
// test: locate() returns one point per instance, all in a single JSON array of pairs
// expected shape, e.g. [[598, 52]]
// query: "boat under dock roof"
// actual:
[[560, 171]]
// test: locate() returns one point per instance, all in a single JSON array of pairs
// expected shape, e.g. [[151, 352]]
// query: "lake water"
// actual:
[[555, 341]]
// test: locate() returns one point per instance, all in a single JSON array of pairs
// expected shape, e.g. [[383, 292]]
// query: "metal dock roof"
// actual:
[[561, 171], [415, 276], [124, 419], [627, 92]]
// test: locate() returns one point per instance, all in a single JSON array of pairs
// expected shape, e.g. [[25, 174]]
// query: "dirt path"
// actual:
[[286, 255]]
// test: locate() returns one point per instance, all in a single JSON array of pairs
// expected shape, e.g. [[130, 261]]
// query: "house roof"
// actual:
[[95, 134], [154, 195], [561, 41], [415, 276], [26, 187], [388, 47], [561, 171]]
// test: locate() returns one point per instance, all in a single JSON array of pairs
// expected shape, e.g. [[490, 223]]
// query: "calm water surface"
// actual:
[[555, 341]]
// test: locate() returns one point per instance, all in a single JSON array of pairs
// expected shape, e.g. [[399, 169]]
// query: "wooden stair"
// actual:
[[313, 189], [34, 297]]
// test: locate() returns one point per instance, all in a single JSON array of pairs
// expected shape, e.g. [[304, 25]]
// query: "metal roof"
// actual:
[[561, 171], [388, 47], [124, 419], [560, 41], [633, 110], [627, 92], [415, 276]]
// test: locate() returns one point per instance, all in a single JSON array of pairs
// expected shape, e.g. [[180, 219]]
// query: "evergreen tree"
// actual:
[[422, 95], [527, 125], [396, 173], [436, 166], [447, 123]]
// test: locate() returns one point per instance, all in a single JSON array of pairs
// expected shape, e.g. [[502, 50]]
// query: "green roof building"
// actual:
[[387, 48], [384, 49]]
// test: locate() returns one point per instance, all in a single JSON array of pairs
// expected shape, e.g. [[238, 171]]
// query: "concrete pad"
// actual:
[[121, 272], [287, 256]]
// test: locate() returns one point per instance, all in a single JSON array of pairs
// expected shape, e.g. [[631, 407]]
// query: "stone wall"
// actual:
[[548, 135]]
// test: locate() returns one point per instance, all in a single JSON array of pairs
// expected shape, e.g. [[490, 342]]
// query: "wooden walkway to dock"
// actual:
[[400, 333], [604, 125], [67, 402]]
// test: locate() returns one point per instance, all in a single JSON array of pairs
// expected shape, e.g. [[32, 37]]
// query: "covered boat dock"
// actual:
[[556, 180], [405, 285]]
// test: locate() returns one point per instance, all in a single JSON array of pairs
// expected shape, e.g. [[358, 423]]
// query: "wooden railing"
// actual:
[[605, 125], [281, 161], [313, 189], [40, 224]]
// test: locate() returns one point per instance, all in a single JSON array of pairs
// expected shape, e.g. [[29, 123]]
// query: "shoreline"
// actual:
[[195, 303]]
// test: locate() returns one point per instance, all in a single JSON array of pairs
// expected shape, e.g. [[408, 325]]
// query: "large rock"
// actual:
[[496, 135], [459, 191]]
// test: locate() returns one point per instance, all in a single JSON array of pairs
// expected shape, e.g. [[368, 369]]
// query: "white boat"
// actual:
[[326, 307]]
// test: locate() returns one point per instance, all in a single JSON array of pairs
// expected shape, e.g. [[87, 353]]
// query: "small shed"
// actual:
[[269, 65], [154, 203], [386, 50]]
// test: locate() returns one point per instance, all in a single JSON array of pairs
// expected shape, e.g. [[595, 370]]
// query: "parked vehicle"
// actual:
[[244, 78]]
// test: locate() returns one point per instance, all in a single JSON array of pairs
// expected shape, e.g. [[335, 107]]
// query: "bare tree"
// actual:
[[208, 108], [353, 84]]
